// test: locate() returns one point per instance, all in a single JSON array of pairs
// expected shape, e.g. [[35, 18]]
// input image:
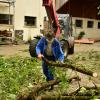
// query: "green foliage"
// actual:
[[93, 55], [60, 73], [81, 34], [17, 72], [89, 60]]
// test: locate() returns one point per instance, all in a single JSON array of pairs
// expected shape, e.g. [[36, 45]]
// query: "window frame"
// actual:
[[6, 19], [79, 25], [98, 25], [90, 24], [28, 19]]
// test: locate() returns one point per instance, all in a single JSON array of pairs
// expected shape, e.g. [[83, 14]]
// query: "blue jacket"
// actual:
[[56, 48]]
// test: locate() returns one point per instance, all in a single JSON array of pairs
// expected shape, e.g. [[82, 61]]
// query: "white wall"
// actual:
[[29, 8], [34, 8], [4, 8], [90, 32], [23, 8]]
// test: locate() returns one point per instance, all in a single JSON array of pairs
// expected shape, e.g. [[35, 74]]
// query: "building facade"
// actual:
[[24, 17], [91, 27], [85, 16]]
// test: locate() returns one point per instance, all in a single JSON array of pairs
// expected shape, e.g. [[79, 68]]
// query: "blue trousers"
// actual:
[[46, 70]]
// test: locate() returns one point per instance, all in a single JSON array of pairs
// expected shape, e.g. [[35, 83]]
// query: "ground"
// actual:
[[11, 50], [22, 50]]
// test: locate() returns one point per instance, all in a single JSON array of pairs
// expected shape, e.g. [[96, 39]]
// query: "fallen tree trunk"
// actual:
[[66, 98], [30, 94], [71, 66], [34, 90]]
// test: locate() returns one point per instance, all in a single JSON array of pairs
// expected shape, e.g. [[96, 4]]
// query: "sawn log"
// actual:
[[31, 94], [67, 98], [72, 66]]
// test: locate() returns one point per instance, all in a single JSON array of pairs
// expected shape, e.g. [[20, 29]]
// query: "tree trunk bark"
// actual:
[[72, 66], [66, 98], [31, 94]]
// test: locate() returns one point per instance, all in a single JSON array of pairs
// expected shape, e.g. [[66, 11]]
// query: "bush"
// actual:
[[81, 34]]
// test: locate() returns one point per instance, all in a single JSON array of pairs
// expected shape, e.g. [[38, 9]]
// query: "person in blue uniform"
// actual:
[[50, 48]]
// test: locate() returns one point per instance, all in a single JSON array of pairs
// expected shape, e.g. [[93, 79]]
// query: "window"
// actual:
[[79, 23], [30, 21], [98, 25], [6, 19], [90, 24]]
